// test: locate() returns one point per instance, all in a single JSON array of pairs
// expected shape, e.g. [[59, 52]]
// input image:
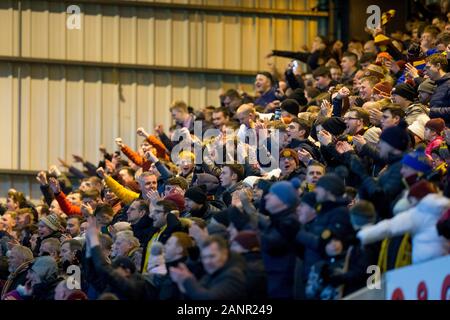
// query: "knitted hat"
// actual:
[[287, 192], [397, 136], [334, 125], [309, 198], [46, 268], [417, 160], [196, 194], [418, 128], [384, 55], [437, 125], [248, 240], [290, 153], [52, 221], [77, 295], [210, 181], [427, 86], [291, 106], [405, 90], [176, 198], [374, 70], [251, 180], [372, 135], [332, 183], [420, 189], [238, 218], [383, 89]]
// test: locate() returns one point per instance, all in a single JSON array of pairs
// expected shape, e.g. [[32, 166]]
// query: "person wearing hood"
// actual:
[[420, 221]]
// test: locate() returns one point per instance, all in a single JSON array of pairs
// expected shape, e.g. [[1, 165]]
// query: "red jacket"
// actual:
[[66, 206]]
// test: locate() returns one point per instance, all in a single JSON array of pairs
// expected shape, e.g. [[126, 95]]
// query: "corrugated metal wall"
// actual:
[[73, 109]]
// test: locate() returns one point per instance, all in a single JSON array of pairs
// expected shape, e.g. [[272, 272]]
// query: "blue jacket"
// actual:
[[440, 100]]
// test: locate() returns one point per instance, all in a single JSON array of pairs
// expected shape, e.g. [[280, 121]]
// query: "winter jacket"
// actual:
[[440, 100], [331, 216], [125, 195], [131, 288], [278, 252], [255, 275], [227, 283], [420, 221], [16, 278], [432, 145]]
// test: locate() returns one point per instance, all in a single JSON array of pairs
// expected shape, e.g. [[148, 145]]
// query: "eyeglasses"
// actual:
[[350, 118]]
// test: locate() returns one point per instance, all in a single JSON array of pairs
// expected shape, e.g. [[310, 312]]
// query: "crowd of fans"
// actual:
[[297, 191]]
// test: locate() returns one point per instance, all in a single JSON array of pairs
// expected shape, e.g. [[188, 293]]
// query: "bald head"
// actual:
[[246, 113]]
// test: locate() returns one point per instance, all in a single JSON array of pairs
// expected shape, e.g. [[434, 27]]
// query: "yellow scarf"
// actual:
[[154, 238]]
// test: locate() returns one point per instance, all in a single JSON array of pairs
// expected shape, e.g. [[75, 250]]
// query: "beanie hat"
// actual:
[[383, 89], [46, 268], [176, 198], [248, 240], [196, 194], [251, 180], [397, 136], [332, 183], [418, 128], [309, 198], [405, 90], [372, 135], [290, 153], [374, 70], [436, 124], [417, 160], [384, 55], [334, 125], [422, 188], [427, 86], [264, 185], [52, 221], [287, 192], [291, 106], [238, 218], [210, 181]]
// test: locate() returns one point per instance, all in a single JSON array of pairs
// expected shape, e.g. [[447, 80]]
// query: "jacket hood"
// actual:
[[433, 204]]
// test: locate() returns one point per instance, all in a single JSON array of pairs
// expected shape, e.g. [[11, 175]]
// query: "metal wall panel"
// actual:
[[72, 109]]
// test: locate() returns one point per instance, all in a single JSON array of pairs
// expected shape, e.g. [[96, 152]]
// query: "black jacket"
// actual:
[[440, 100], [227, 283], [133, 288], [278, 252], [255, 275]]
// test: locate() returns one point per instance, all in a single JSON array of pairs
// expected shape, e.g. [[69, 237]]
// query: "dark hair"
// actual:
[[350, 55], [268, 75], [221, 242], [142, 205], [224, 110], [104, 208], [303, 124], [178, 181], [443, 38], [321, 72], [130, 171], [167, 205], [238, 169], [315, 163], [395, 110], [361, 114]]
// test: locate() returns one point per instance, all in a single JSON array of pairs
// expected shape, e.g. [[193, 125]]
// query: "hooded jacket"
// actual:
[[421, 222]]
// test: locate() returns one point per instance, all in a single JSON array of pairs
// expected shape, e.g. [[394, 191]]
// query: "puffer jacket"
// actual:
[[440, 100], [420, 221]]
